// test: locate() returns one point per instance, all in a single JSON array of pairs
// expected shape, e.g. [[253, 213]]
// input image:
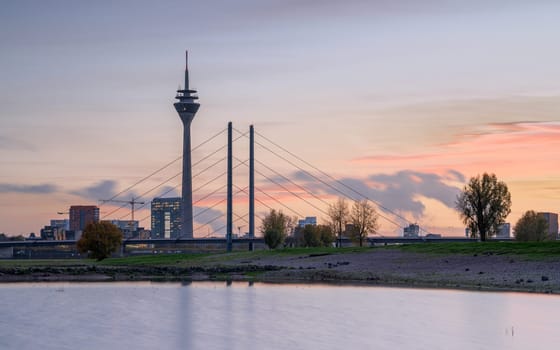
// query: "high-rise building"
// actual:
[[552, 224], [166, 218], [412, 231], [187, 108], [82, 215]]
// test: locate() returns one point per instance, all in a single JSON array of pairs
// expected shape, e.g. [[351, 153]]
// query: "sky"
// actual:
[[403, 101]]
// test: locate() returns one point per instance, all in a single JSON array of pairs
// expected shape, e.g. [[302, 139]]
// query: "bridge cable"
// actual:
[[331, 186], [293, 183], [332, 178], [155, 172], [208, 208], [163, 167], [198, 162], [286, 189], [276, 200]]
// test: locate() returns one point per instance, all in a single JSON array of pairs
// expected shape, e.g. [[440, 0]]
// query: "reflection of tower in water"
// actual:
[[187, 108]]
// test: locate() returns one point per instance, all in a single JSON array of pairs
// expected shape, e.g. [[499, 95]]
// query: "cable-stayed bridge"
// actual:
[[299, 189], [222, 196]]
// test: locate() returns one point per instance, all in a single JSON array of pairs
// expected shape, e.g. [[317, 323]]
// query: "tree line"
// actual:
[[356, 223], [483, 205]]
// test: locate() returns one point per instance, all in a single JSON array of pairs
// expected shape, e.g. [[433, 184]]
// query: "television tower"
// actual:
[[187, 108]]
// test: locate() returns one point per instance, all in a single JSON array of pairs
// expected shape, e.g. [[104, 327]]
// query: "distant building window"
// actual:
[[167, 225]]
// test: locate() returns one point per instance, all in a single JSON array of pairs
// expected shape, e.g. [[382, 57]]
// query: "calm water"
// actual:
[[216, 316]]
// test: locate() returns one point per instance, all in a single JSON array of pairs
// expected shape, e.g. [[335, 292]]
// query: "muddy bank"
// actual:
[[375, 267]]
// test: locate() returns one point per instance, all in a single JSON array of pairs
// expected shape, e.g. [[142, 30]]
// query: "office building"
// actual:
[[412, 231], [552, 224], [166, 218], [82, 215]]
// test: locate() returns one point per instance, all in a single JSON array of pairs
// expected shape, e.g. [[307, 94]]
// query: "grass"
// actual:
[[156, 259], [45, 262], [219, 258], [534, 250]]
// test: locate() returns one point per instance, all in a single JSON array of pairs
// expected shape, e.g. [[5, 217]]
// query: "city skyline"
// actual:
[[403, 101]]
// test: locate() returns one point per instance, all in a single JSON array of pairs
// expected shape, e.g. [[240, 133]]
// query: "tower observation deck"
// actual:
[[187, 108]]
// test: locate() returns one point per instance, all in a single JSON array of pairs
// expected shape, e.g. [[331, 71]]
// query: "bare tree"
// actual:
[[338, 216], [364, 221], [484, 204]]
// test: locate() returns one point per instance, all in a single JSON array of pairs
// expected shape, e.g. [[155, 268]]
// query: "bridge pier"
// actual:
[[229, 214], [251, 185]]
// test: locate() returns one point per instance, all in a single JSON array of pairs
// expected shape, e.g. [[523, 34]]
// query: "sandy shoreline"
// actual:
[[389, 267]]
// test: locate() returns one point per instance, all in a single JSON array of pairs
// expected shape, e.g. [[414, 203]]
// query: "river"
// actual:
[[207, 315]]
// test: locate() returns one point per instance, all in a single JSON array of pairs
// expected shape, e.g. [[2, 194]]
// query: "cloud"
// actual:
[[35, 189], [379, 8], [102, 190], [403, 193], [400, 192], [204, 216], [454, 175], [514, 149], [12, 144], [168, 192], [409, 184]]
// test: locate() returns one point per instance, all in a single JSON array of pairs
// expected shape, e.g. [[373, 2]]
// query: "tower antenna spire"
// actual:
[[187, 70]]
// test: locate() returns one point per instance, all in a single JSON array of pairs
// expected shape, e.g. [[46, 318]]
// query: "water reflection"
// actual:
[[246, 315]]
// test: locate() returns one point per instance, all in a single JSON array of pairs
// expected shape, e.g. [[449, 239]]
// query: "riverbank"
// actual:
[[491, 268]]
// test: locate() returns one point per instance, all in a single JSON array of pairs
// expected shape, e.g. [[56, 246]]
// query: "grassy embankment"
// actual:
[[217, 258], [533, 250], [529, 250]]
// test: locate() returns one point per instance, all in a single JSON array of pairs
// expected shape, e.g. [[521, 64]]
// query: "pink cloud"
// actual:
[[508, 149]]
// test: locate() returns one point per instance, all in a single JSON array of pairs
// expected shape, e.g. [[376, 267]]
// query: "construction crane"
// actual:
[[132, 202]]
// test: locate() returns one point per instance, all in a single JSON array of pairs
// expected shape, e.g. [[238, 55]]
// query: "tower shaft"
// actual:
[[187, 230]]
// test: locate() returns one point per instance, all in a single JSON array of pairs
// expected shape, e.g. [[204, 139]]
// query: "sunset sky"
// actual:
[[403, 101]]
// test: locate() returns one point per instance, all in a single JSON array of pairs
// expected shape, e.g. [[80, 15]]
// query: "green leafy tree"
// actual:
[[531, 227], [315, 236], [100, 240], [311, 236], [275, 227], [327, 235], [364, 221], [483, 205], [4, 237], [338, 216], [296, 240]]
